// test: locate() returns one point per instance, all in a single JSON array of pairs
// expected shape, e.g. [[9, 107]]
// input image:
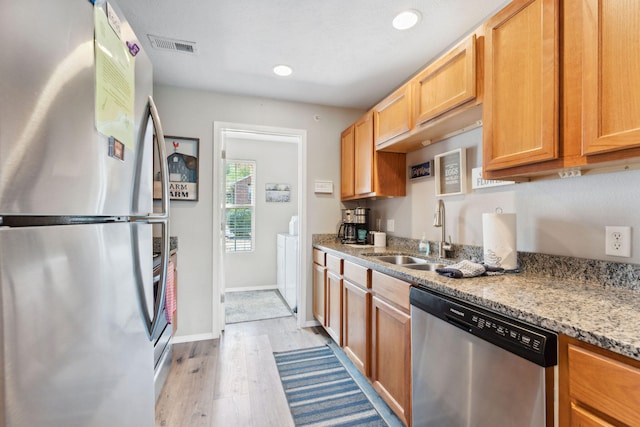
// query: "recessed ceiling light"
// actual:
[[282, 70], [405, 20]]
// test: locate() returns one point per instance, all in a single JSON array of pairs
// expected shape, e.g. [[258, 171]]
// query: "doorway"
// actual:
[[278, 191]]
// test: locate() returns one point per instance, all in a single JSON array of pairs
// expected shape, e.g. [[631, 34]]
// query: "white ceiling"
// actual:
[[343, 53]]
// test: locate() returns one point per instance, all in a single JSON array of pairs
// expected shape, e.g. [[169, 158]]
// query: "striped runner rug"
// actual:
[[321, 391]]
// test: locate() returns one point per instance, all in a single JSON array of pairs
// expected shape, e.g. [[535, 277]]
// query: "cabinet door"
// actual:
[[520, 111], [611, 75], [347, 164], [363, 136], [597, 387], [607, 385], [391, 357], [392, 117], [447, 83], [319, 292], [356, 307], [333, 303]]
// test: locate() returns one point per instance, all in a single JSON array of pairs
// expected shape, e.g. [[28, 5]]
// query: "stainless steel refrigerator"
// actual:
[[77, 126]]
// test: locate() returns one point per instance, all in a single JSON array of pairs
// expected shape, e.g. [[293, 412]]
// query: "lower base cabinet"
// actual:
[[367, 314], [319, 292], [391, 357], [333, 321], [356, 337], [597, 387]]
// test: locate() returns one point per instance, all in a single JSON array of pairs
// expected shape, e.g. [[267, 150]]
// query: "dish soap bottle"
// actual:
[[423, 246]]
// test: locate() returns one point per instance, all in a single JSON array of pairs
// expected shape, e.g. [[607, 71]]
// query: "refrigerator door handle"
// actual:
[[164, 163], [161, 217], [164, 260]]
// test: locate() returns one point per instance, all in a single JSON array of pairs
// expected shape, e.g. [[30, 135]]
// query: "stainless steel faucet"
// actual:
[[439, 221]]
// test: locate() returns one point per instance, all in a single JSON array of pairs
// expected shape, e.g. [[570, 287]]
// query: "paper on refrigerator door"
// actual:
[[499, 240], [115, 77]]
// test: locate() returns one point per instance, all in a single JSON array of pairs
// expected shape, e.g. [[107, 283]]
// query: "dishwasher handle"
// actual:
[[460, 324]]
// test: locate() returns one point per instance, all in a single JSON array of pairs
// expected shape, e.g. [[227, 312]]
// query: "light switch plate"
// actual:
[[391, 225], [325, 187]]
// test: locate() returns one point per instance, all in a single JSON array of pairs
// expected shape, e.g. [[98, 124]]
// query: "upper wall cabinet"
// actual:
[[562, 87], [347, 178], [393, 115], [368, 172], [447, 83], [521, 82], [611, 75], [363, 160], [442, 99]]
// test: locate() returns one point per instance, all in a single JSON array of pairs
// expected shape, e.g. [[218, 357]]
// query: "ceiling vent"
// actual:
[[162, 43]]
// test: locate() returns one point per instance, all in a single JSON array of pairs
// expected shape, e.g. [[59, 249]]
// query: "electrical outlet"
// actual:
[[618, 241], [391, 225]]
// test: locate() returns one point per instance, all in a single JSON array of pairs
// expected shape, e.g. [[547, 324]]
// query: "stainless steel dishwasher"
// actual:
[[474, 367]]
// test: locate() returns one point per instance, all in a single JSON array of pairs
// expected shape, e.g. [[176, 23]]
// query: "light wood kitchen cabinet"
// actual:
[[393, 115], [536, 124], [597, 387], [611, 75], [356, 308], [448, 82], [363, 158], [319, 284], [375, 174], [520, 111], [391, 343], [446, 97], [347, 169], [333, 301]]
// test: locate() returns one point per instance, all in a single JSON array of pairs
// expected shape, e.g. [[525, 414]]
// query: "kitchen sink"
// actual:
[[400, 259], [407, 261], [429, 266]]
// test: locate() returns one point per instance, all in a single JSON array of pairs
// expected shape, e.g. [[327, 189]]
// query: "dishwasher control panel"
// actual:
[[506, 331], [529, 341]]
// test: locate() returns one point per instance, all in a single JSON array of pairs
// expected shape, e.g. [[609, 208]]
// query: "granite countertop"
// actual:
[[607, 316]]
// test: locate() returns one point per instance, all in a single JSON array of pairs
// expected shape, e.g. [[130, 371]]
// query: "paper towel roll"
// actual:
[[499, 240], [379, 239]]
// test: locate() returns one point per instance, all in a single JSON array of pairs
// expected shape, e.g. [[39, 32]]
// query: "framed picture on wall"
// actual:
[[277, 193], [451, 172], [182, 158]]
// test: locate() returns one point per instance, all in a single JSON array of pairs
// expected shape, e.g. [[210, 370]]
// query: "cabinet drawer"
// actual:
[[319, 257], [391, 289], [334, 264], [604, 384], [357, 274]]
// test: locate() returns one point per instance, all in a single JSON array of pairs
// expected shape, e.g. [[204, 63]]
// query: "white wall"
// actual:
[[191, 113], [558, 216], [276, 162]]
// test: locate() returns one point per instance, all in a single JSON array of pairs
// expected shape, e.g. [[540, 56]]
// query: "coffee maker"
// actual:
[[354, 228]]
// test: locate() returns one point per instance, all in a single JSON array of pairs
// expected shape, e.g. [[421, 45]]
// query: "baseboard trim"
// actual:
[[191, 338], [252, 288], [310, 324]]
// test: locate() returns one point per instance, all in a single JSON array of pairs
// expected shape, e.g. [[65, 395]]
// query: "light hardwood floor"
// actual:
[[233, 381]]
